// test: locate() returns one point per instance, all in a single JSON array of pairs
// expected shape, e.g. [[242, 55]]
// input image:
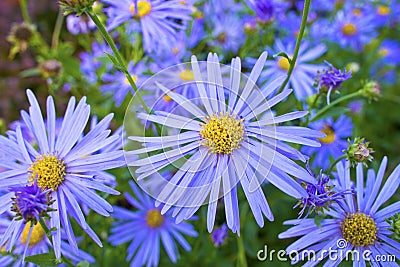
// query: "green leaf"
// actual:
[[83, 264], [114, 61], [30, 73], [43, 259], [283, 54], [318, 219]]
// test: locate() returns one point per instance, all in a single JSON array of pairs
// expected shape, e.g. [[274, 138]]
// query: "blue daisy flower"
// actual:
[[302, 79], [118, 85], [61, 163], [226, 141], [389, 52], [159, 20], [352, 29], [333, 144], [146, 228], [79, 25], [357, 225], [92, 61], [37, 243]]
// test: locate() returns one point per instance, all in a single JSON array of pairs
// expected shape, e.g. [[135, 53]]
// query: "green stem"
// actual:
[[334, 103], [298, 42], [45, 228], [242, 262], [119, 58], [335, 162], [24, 11], [57, 29]]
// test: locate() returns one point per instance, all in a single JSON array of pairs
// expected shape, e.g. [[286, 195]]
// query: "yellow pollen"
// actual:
[[359, 229], [134, 78], [330, 135], [36, 236], [48, 170], [349, 29], [182, 3], [175, 50], [383, 10], [186, 75], [357, 12], [283, 63], [383, 52], [143, 9], [154, 218], [222, 134]]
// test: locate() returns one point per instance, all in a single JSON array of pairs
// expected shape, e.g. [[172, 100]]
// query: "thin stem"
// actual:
[[335, 162], [57, 29], [298, 42], [45, 228], [119, 58], [334, 103], [242, 262], [24, 11]]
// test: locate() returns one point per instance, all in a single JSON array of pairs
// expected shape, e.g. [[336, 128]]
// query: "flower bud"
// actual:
[[359, 151], [371, 90], [50, 68], [76, 6]]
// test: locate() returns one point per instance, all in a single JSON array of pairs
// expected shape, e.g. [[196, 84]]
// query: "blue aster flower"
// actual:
[[358, 225], [332, 146], [145, 228], [352, 29], [61, 162], [302, 79], [77, 25], [118, 85], [37, 243], [225, 141], [159, 21], [92, 61], [219, 235]]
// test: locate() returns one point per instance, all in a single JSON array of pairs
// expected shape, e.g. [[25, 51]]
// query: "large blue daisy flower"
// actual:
[[230, 138], [145, 228], [357, 224], [63, 162]]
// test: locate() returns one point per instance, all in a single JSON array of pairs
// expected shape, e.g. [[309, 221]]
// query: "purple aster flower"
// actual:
[[321, 196], [219, 235], [159, 20], [358, 225], [92, 61], [77, 25], [301, 80], [61, 162], [225, 141], [37, 243], [331, 79], [31, 202], [118, 85], [333, 144], [352, 29], [389, 52], [145, 227]]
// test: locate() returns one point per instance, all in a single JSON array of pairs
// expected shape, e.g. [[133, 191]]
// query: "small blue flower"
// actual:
[[303, 73], [79, 25], [219, 235], [359, 224], [146, 228], [61, 161], [158, 21], [92, 61], [118, 85], [333, 144]]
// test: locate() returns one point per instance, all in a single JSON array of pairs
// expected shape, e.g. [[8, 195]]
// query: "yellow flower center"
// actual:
[[283, 63], [349, 29], [222, 38], [48, 170], [330, 135], [143, 9], [222, 134], [186, 75], [134, 78], [383, 52], [357, 12], [359, 229], [383, 10], [175, 50], [36, 236], [154, 218]]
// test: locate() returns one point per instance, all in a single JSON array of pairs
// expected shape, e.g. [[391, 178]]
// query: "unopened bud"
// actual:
[[371, 90], [76, 6], [50, 68], [359, 151]]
